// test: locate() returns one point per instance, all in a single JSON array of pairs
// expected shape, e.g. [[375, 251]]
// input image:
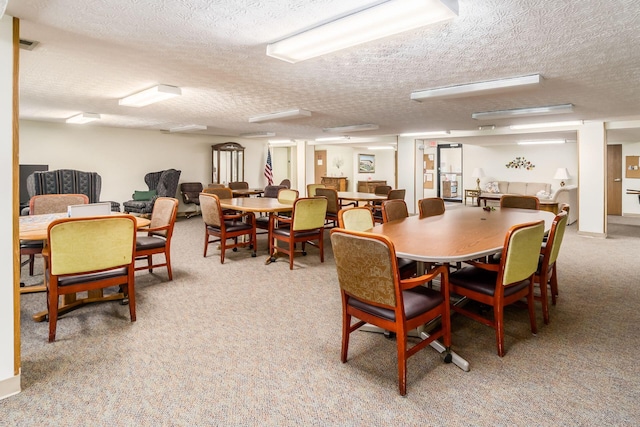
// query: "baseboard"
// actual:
[[595, 235], [631, 215], [10, 387]]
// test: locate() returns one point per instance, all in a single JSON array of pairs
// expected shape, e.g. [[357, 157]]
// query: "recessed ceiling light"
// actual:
[[187, 128], [427, 133], [371, 23], [381, 147], [521, 112], [543, 141], [280, 115], [479, 88], [351, 128], [83, 118], [546, 125], [150, 96], [332, 138], [258, 134]]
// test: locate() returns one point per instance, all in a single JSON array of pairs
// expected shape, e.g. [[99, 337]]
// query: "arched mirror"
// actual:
[[227, 163]]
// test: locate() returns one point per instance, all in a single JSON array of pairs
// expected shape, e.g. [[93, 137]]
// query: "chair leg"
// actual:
[[401, 339], [292, 252], [52, 307], [544, 298], [554, 285], [32, 259], [532, 308], [346, 323], [321, 245], [206, 241], [150, 263], [498, 316], [167, 257]]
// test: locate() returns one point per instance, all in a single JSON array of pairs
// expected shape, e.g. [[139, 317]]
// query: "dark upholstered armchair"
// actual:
[[191, 196], [67, 181], [161, 184]]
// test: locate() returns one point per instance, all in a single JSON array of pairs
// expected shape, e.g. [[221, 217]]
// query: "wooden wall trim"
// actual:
[[16, 196]]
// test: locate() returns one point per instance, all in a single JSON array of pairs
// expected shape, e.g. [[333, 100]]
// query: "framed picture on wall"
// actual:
[[366, 163]]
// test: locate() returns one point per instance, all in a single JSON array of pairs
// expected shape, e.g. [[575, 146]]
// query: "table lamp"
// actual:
[[562, 174], [478, 173]]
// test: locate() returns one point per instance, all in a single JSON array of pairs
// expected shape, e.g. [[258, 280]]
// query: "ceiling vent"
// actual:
[[28, 44]]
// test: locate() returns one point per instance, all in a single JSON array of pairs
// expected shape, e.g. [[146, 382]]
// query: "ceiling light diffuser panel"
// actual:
[[280, 115], [187, 128], [523, 112], [82, 118], [478, 88], [351, 128], [150, 96], [373, 23]]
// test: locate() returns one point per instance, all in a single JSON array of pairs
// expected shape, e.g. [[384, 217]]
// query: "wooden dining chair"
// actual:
[[498, 285], [333, 204], [156, 239], [89, 253], [373, 292], [239, 185], [521, 202], [305, 225], [225, 227], [356, 219], [431, 206], [47, 204], [311, 189], [546, 275], [396, 194], [393, 210]]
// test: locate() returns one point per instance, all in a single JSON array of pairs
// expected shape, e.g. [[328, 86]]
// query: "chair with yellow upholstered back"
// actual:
[[499, 285], [431, 206], [356, 219], [157, 239], [287, 196], [521, 202], [311, 189], [546, 275], [373, 292], [89, 253], [225, 226], [306, 224]]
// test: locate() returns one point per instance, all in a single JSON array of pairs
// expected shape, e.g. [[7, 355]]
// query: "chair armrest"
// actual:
[[484, 265], [412, 282], [237, 216]]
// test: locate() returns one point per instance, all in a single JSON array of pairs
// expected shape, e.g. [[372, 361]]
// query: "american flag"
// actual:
[[268, 169]]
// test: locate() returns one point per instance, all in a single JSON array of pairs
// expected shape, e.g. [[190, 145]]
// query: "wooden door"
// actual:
[[320, 165], [614, 179]]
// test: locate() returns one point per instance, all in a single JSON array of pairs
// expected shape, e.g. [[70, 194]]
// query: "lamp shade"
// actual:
[[561, 173], [477, 173]]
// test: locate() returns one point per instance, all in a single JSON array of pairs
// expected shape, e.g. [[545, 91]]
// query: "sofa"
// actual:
[[567, 194]]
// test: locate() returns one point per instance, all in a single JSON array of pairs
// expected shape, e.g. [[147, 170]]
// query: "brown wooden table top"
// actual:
[[359, 196], [459, 234], [34, 227], [254, 204], [247, 192]]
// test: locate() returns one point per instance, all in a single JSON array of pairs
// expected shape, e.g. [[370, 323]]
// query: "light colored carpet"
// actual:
[[249, 344]]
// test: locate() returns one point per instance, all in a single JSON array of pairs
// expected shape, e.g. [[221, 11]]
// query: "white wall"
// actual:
[[385, 164], [123, 157], [591, 184], [9, 382], [546, 158]]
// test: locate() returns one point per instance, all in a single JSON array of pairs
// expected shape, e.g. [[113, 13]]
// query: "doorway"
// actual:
[[450, 172], [320, 165], [614, 180]]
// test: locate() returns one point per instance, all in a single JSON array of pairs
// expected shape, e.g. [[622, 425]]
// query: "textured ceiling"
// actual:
[[93, 52]]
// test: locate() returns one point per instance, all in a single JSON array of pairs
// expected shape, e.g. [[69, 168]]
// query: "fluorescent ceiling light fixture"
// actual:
[[258, 134], [187, 128], [150, 96], [332, 138], [280, 115], [522, 112], [546, 125], [351, 128], [427, 133], [373, 23], [479, 88], [282, 142], [381, 147], [543, 141], [83, 118]]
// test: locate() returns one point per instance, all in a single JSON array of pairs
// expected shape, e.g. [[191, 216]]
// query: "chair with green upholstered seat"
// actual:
[[546, 276], [306, 224], [89, 253], [373, 292], [499, 285]]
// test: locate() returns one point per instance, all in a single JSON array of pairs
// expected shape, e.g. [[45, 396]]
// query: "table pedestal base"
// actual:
[[71, 302]]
